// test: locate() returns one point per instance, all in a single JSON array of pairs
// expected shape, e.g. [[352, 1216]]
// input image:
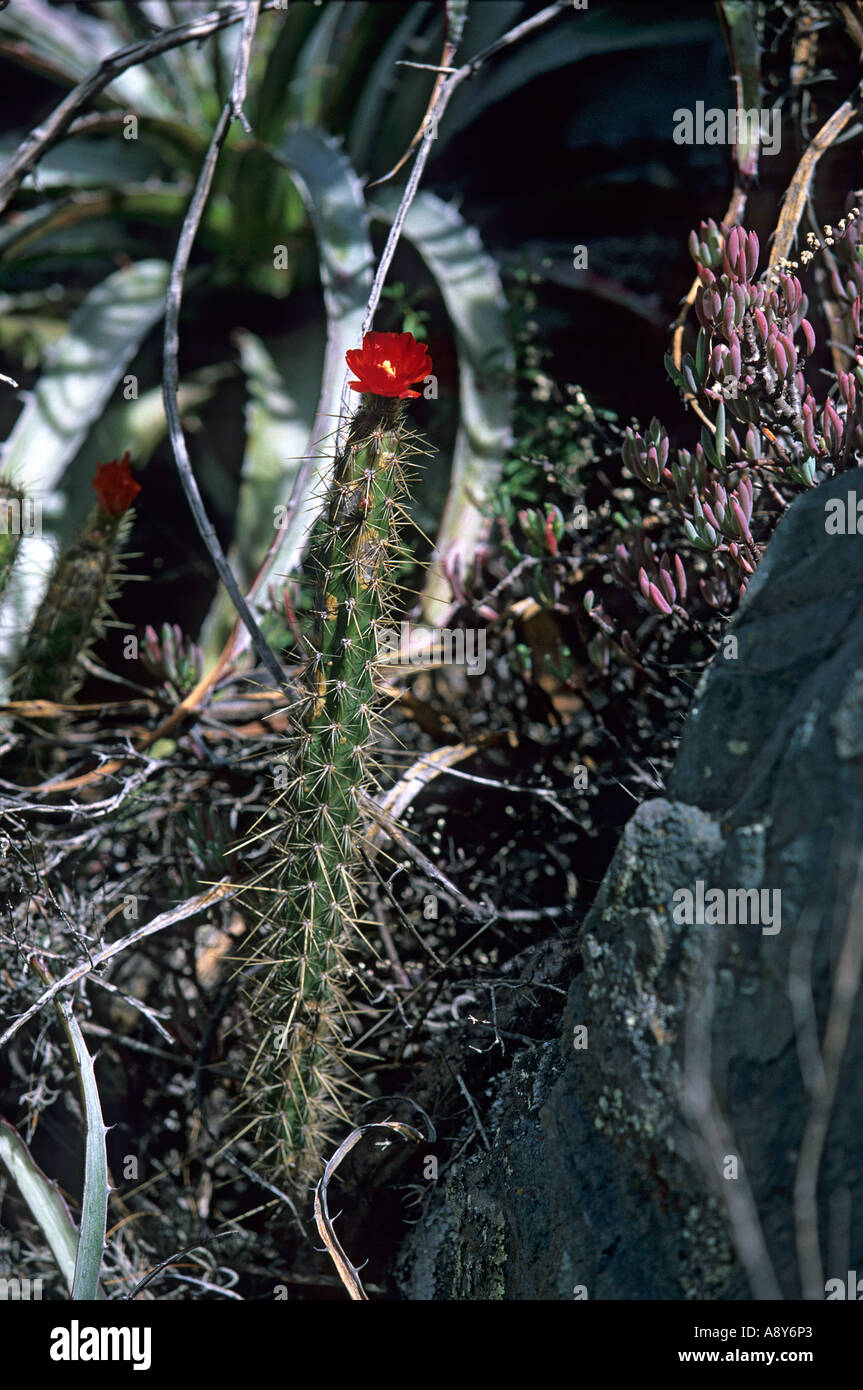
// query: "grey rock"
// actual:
[[610, 1174]]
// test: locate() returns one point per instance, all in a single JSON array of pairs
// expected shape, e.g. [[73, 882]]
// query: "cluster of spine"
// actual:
[[299, 1071], [83, 584]]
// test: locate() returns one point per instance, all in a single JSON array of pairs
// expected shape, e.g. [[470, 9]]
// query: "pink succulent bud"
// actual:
[[710, 517], [680, 575], [778, 356], [740, 518], [792, 292], [717, 360], [667, 584], [831, 428], [808, 335], [658, 601]]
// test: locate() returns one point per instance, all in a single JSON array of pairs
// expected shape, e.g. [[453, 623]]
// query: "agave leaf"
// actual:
[[94, 1200], [408, 96], [308, 96], [279, 420], [70, 45], [130, 24], [43, 1200], [63, 232], [469, 284], [286, 34], [188, 70], [268, 207], [334, 197], [88, 163], [82, 372], [140, 425], [741, 35], [279, 417], [368, 117], [575, 36]]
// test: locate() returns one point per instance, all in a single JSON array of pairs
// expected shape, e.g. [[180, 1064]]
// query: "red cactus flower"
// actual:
[[116, 489], [388, 363]]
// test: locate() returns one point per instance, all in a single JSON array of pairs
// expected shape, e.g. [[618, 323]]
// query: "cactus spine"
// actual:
[[300, 1069]]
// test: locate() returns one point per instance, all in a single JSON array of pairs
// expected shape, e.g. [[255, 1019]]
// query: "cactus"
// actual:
[[300, 1069], [82, 586]]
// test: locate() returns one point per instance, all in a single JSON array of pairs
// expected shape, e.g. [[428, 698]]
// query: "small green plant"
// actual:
[[82, 586], [300, 1068]]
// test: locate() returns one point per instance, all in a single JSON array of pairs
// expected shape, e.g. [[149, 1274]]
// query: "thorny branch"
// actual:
[[350, 1276], [217, 893]]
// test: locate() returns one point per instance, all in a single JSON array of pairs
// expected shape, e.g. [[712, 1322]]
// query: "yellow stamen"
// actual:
[[388, 367]]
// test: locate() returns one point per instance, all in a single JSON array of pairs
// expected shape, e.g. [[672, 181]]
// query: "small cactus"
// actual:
[[82, 586], [300, 1070]]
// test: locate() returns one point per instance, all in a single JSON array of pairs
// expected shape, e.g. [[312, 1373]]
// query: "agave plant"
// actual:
[[287, 210]]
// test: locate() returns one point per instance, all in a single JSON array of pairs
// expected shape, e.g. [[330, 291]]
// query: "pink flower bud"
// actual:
[[778, 356], [831, 428], [680, 575], [740, 518], [808, 336], [658, 601], [717, 360]]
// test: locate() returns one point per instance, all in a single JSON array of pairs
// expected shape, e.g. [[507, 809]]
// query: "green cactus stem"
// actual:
[[302, 1068], [83, 584]]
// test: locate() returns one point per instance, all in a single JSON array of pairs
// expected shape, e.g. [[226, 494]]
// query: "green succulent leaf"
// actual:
[[81, 373], [43, 1200], [334, 198], [94, 1201]]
